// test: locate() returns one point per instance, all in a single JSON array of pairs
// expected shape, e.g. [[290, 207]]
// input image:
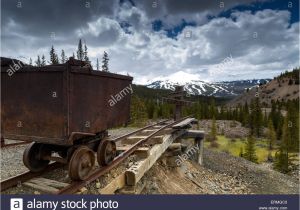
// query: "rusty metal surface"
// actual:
[[28, 108], [56, 104], [90, 110]]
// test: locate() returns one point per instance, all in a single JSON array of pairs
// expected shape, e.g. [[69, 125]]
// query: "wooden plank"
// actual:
[[136, 172], [185, 123], [153, 130], [200, 152], [143, 137], [115, 184], [134, 139], [142, 152], [49, 182], [132, 190], [194, 134], [157, 126], [43, 188], [149, 130]]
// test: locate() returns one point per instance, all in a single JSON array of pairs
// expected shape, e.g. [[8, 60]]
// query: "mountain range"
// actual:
[[199, 87]]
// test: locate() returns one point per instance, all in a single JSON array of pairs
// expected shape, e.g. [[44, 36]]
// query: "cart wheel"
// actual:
[[106, 152], [81, 163], [33, 157], [63, 153]]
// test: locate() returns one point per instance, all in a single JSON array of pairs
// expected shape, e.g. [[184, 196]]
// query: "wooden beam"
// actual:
[[143, 137], [194, 134], [185, 123], [136, 172], [149, 130], [132, 190], [142, 152], [49, 182], [114, 185], [134, 139], [43, 188]]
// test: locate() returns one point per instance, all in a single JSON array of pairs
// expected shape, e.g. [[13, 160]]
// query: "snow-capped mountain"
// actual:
[[193, 85]]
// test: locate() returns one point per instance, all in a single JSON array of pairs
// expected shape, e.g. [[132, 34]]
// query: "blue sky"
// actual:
[[161, 39]]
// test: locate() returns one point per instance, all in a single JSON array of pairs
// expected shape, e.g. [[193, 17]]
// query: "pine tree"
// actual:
[[138, 111], [293, 126], [38, 61], [105, 60], [256, 119], [265, 119], [73, 55], [213, 132], [80, 53], [86, 58], [283, 158], [241, 154], [63, 56], [250, 153], [53, 56], [97, 64], [150, 109], [271, 135], [155, 113], [43, 62]]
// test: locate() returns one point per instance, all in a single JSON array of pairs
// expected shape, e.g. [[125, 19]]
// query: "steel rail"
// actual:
[[77, 185], [13, 181], [13, 144], [137, 131]]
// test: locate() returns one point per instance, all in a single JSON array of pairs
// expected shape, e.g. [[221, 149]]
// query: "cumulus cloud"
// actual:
[[259, 44]]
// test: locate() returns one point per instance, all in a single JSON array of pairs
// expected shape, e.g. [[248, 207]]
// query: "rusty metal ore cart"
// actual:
[[65, 111]]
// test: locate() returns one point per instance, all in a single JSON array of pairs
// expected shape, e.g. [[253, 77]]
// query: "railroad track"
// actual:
[[3, 144], [35, 180]]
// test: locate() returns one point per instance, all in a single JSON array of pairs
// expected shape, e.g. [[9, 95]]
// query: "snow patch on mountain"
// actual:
[[194, 85]]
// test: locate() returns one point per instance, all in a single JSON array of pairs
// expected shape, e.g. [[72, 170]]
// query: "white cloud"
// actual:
[[274, 49], [147, 55]]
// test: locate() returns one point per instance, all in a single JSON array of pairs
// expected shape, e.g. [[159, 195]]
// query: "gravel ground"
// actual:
[[260, 179], [220, 174], [11, 161]]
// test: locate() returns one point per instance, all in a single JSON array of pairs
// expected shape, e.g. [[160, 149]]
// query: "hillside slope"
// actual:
[[220, 174], [282, 88]]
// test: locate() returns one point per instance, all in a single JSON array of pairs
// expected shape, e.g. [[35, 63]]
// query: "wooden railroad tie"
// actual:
[[142, 152], [151, 141], [45, 185]]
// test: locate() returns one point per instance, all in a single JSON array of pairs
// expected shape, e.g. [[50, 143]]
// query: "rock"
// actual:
[[83, 190], [98, 185], [189, 175], [130, 164]]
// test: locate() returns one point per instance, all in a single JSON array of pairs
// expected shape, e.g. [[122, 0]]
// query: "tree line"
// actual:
[[282, 129], [81, 54]]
